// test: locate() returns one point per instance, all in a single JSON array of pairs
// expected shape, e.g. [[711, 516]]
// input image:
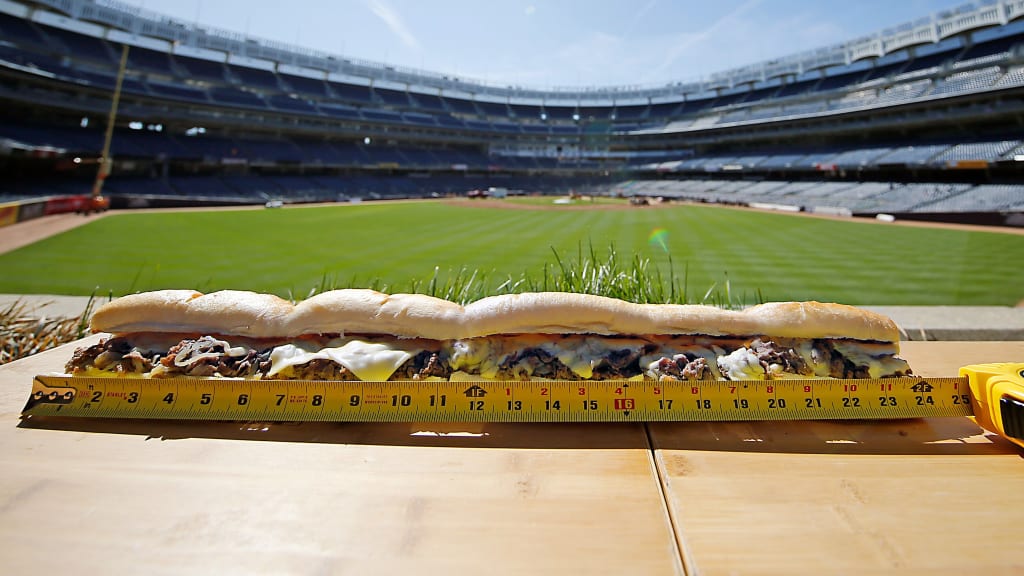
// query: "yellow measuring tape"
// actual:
[[498, 401], [991, 393], [994, 393]]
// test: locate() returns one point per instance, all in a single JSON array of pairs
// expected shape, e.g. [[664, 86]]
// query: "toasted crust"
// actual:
[[226, 312], [560, 313], [419, 316], [371, 312]]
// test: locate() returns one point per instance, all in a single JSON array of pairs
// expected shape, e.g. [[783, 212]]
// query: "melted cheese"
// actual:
[[742, 364], [581, 354], [368, 361], [93, 372], [474, 356]]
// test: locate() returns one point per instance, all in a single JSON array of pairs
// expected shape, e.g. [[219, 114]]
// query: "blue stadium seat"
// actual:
[[340, 111], [461, 106], [882, 71], [255, 78], [479, 125], [419, 118], [560, 112], [525, 111], [446, 120], [796, 88], [146, 60], [427, 102], [311, 87], [285, 102], [382, 115], [145, 144], [665, 110], [178, 92], [761, 94], [840, 80], [82, 47], [992, 47], [506, 127], [104, 81], [13, 28], [202, 69], [536, 129], [139, 186], [497, 109], [236, 97], [931, 60], [590, 113], [564, 129], [393, 97], [351, 92], [631, 112]]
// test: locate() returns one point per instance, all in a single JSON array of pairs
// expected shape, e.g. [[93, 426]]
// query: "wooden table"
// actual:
[[102, 496]]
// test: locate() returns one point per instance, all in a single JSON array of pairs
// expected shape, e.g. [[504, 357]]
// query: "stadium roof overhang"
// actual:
[[139, 25]]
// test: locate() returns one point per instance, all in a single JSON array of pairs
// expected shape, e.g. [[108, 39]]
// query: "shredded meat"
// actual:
[[620, 364], [112, 355], [838, 365], [685, 367], [534, 362], [208, 356], [318, 369], [426, 364], [788, 359]]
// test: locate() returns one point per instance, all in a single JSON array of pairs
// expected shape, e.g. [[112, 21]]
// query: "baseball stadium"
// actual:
[[267, 308], [884, 170]]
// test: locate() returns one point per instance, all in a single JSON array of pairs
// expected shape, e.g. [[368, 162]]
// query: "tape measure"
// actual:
[[993, 393]]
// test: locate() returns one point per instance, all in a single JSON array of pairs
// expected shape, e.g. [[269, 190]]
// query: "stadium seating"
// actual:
[[938, 112]]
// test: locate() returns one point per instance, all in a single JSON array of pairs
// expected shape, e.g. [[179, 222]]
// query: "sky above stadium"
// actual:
[[556, 43]]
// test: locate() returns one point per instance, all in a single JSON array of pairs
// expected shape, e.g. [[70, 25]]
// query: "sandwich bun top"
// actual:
[[224, 312], [560, 313], [372, 312], [232, 312]]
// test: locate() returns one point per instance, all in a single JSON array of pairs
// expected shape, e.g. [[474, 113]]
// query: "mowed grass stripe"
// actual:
[[293, 251]]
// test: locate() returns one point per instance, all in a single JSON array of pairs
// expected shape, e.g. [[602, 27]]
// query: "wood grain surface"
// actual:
[[157, 497], [932, 495], [123, 497]]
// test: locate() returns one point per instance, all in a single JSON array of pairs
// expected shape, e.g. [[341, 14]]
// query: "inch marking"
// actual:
[[507, 401]]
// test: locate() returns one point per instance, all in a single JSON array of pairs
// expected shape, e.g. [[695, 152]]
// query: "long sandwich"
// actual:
[[367, 335]]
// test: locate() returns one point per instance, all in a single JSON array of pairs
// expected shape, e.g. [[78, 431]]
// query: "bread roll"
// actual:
[[370, 312], [565, 313], [225, 312], [356, 311]]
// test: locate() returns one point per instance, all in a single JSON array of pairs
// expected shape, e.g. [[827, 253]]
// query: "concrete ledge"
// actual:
[[916, 322], [956, 322]]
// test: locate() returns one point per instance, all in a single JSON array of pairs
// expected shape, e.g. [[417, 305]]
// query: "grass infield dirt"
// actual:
[[398, 246]]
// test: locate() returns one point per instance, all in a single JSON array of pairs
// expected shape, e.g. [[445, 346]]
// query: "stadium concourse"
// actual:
[[920, 121]]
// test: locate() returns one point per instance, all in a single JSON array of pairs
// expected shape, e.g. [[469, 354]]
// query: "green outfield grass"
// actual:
[[397, 246]]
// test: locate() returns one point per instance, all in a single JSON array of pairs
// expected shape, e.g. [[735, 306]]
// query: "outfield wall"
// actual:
[[19, 211], [1008, 219]]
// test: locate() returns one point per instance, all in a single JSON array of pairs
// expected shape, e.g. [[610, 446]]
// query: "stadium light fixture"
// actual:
[[367, 141], [136, 125], [84, 123]]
